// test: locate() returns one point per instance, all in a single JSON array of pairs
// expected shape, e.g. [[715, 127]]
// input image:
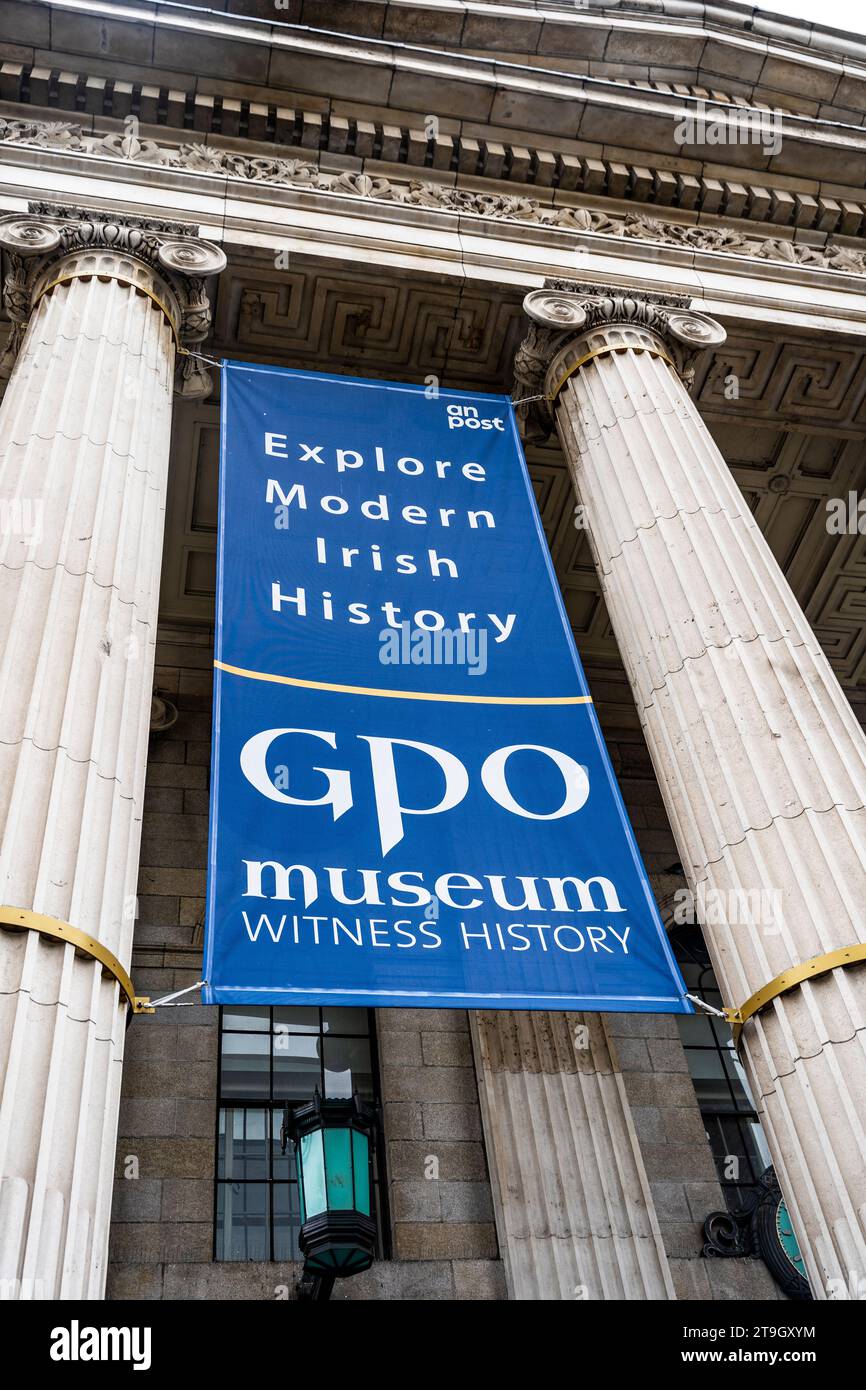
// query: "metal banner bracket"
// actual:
[[21, 919], [789, 979]]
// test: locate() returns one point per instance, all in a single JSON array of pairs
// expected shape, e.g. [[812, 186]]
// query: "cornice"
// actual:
[[355, 139], [538, 27], [278, 57], [493, 205]]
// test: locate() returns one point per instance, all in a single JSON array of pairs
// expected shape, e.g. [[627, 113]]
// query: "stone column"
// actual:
[[99, 308], [574, 1209], [760, 759]]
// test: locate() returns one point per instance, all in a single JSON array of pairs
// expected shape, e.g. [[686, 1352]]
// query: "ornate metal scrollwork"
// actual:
[[761, 1228]]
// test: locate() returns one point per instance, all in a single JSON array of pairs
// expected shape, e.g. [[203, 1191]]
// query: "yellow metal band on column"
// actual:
[[603, 352], [22, 919], [118, 279], [790, 979]]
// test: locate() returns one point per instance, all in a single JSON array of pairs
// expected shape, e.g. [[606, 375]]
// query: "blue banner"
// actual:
[[411, 801]]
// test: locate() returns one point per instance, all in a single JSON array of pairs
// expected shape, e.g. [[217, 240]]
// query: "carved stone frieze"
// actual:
[[67, 136]]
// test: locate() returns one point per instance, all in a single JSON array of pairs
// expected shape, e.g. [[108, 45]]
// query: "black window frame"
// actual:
[[738, 1109], [273, 1109]]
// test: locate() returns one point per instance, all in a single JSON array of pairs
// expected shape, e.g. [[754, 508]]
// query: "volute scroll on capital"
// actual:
[[166, 261], [603, 320]]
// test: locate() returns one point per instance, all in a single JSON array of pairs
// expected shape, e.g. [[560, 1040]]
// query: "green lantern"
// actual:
[[333, 1142]]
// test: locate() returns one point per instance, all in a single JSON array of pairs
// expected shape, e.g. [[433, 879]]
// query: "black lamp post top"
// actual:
[[318, 1113]]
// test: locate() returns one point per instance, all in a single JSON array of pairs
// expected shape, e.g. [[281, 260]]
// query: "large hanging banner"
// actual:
[[411, 801]]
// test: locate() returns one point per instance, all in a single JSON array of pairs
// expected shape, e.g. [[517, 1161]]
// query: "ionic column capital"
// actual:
[[166, 261], [572, 324]]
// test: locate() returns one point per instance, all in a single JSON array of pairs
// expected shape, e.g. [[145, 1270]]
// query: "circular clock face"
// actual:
[[787, 1239]]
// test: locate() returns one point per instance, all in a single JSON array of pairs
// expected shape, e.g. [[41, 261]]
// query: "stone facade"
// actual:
[[679, 1166], [443, 1234], [399, 190]]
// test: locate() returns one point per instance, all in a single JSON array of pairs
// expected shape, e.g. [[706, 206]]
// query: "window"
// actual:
[[733, 1129], [270, 1056]]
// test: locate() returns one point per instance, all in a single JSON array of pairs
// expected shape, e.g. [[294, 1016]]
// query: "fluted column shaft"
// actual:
[[84, 447], [574, 1209], [760, 759]]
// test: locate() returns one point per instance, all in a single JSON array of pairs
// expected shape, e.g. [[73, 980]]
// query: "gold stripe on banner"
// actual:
[[406, 694]]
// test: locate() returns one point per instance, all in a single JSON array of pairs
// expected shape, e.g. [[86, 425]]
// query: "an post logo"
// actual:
[[467, 417]]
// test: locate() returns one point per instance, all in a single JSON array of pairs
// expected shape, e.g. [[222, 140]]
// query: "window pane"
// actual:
[[691, 973], [297, 1069], [738, 1157], [242, 1221], [246, 1020], [355, 1021], [295, 1020], [717, 1080], [696, 1030], [347, 1068], [269, 1056], [242, 1150], [742, 1090], [287, 1220], [707, 987], [245, 1071]]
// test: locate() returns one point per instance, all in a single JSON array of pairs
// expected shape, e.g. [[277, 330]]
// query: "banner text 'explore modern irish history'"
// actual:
[[411, 801]]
